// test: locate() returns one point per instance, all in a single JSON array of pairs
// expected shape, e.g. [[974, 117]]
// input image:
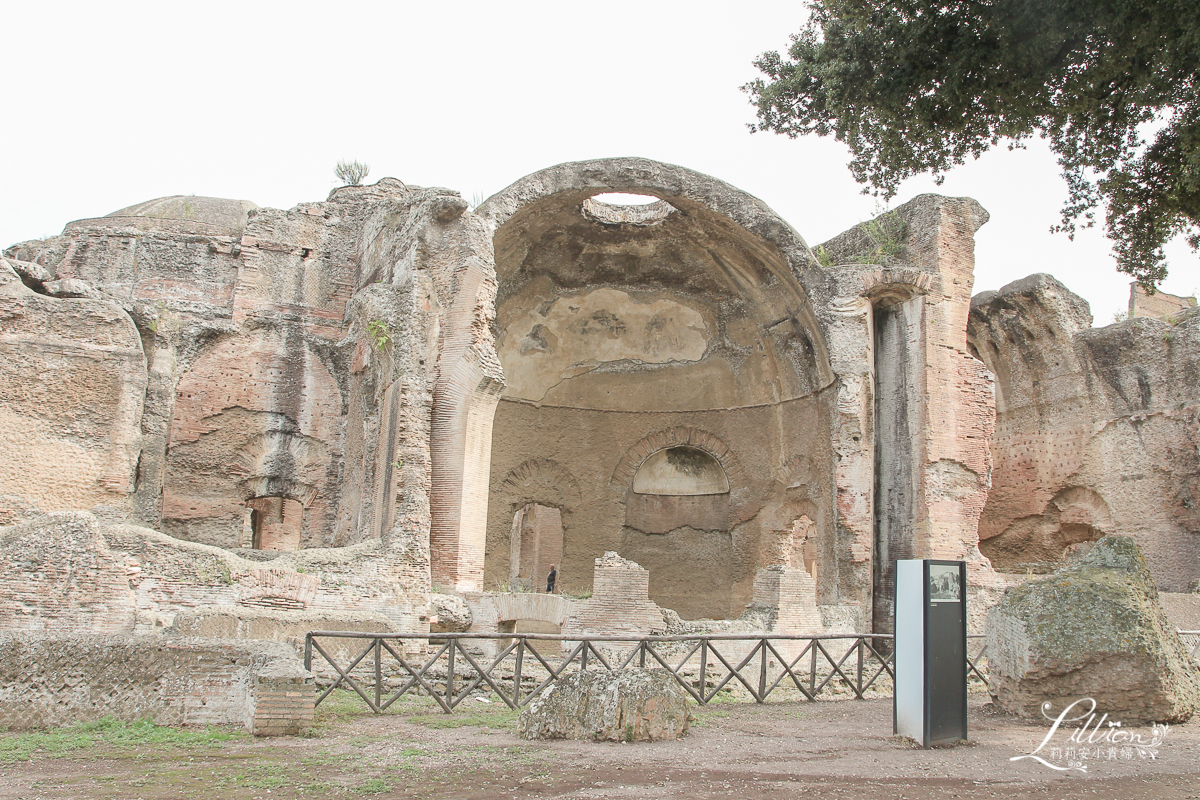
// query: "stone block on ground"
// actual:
[[1093, 629], [628, 705], [453, 614]]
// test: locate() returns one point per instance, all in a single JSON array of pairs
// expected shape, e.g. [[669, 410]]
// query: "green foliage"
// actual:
[[373, 786], [351, 173], [823, 256], [885, 233], [917, 86], [109, 732], [381, 336], [497, 716]]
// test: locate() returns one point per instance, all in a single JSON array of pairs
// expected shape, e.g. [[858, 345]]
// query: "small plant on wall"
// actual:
[[381, 337], [886, 235], [351, 173]]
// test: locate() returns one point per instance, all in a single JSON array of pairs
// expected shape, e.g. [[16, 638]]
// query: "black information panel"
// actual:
[[945, 652], [930, 699]]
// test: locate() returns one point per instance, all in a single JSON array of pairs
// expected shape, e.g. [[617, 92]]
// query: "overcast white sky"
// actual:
[[109, 104]]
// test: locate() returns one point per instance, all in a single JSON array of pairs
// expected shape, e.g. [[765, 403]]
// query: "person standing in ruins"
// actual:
[[550, 579]]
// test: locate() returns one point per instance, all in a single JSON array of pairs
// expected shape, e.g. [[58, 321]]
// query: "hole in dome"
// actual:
[[617, 208], [624, 199]]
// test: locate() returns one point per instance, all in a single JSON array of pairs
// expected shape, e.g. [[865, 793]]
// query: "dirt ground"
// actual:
[[832, 749]]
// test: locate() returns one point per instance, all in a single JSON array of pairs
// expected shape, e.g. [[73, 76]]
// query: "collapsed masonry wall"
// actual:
[[320, 391], [68, 573], [256, 380], [288, 368], [49, 680], [1098, 431]]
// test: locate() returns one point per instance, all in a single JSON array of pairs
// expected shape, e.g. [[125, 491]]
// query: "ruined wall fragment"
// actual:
[[72, 378], [915, 407], [1098, 431]]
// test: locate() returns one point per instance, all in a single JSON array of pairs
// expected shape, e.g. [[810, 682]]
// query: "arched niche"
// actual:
[[681, 470], [678, 487]]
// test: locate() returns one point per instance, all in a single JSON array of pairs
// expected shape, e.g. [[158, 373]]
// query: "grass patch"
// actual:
[[500, 719], [373, 786], [109, 733], [344, 704]]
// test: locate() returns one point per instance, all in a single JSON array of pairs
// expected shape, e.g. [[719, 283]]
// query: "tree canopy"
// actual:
[[915, 86]]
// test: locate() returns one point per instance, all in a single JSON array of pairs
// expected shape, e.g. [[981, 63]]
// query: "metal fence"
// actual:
[[449, 667]]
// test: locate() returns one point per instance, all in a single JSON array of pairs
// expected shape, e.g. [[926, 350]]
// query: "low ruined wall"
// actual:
[[51, 680], [66, 572]]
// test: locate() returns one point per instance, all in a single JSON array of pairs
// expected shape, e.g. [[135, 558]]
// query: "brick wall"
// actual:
[[59, 679], [620, 601], [1159, 305], [793, 595]]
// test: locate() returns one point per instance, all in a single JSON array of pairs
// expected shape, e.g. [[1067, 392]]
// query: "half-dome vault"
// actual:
[[671, 336]]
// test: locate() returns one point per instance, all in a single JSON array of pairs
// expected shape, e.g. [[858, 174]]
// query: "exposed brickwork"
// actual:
[[671, 437], [792, 595], [540, 481], [278, 589], [276, 523], [72, 379], [63, 577], [54, 680], [67, 572], [620, 601], [1159, 305]]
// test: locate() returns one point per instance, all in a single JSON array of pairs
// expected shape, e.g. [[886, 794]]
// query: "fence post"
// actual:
[[517, 672], [860, 666], [762, 671], [704, 669], [812, 666], [378, 673], [308, 652], [450, 672]]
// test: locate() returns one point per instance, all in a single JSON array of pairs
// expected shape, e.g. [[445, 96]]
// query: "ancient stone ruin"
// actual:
[[390, 411], [1095, 630], [632, 705]]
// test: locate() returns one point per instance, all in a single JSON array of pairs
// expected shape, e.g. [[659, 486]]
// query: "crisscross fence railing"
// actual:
[[382, 668]]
